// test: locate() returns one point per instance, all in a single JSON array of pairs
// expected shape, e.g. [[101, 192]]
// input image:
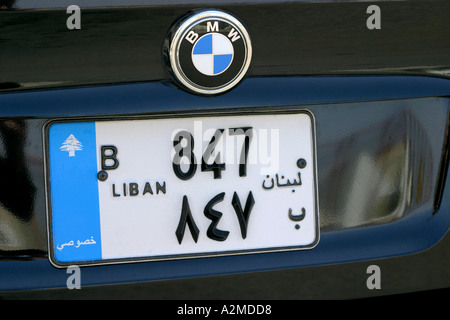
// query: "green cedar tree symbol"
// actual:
[[71, 145]]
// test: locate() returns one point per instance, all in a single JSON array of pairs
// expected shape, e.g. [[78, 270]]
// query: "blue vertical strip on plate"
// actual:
[[74, 206]]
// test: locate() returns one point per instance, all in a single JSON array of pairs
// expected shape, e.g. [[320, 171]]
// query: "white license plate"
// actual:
[[153, 189]]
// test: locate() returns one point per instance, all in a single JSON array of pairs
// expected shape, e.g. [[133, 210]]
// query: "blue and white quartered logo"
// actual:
[[212, 54], [208, 52]]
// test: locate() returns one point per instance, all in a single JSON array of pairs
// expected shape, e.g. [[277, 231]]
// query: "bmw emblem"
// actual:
[[208, 52]]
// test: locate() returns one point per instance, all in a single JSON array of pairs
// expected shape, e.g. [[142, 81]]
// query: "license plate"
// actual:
[[180, 187]]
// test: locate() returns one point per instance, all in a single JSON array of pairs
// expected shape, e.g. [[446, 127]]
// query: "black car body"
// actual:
[[379, 96]]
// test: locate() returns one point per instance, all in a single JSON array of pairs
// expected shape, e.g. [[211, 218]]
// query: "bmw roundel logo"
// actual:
[[208, 52]]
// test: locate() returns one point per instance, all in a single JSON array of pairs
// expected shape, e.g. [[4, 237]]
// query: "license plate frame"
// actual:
[[188, 116]]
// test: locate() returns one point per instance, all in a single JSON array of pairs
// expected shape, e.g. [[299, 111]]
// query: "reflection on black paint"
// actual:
[[9, 85], [16, 189], [7, 4]]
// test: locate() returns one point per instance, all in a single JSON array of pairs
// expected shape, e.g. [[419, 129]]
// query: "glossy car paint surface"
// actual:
[[119, 43], [382, 118]]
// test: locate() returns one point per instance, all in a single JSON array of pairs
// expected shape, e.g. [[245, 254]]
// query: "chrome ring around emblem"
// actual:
[[208, 52]]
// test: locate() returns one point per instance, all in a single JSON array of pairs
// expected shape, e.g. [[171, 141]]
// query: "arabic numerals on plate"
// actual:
[[247, 132], [215, 167], [183, 144]]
